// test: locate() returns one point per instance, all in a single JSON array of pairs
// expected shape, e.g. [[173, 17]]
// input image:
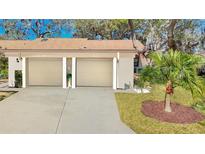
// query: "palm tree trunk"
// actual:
[[168, 93], [168, 103]]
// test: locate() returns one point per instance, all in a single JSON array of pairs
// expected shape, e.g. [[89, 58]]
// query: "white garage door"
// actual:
[[94, 72], [44, 71]]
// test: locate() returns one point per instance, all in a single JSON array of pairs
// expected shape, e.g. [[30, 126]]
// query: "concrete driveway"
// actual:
[[57, 110], [91, 110], [32, 110]]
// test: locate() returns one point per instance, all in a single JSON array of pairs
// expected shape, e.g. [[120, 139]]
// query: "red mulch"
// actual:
[[180, 114]]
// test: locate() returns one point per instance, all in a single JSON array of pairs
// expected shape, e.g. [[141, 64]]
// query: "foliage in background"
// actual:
[[21, 29], [185, 34], [164, 34], [101, 29]]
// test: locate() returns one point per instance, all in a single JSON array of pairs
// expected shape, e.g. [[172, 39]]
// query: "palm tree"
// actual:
[[174, 69]]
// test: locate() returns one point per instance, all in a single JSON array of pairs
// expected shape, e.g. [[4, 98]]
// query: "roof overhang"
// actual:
[[68, 53], [69, 50]]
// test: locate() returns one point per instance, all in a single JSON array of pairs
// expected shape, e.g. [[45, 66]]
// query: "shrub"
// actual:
[[4, 74], [18, 79]]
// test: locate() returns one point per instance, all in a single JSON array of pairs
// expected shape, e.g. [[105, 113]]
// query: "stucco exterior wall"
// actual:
[[125, 72], [13, 65], [125, 63]]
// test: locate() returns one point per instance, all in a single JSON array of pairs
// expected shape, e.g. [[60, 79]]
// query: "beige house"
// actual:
[[46, 62]]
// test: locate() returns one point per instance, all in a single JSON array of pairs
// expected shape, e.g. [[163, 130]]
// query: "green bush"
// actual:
[[69, 76], [18, 79], [152, 75], [3, 66], [4, 74], [141, 83]]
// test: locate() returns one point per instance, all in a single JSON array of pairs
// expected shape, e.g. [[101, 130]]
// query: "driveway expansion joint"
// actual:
[[61, 115]]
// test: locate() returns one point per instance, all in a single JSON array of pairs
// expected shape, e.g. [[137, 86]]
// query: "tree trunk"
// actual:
[[167, 103], [111, 35], [171, 41], [130, 23], [133, 35]]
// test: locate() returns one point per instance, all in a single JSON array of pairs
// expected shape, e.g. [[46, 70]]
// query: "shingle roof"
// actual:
[[72, 44]]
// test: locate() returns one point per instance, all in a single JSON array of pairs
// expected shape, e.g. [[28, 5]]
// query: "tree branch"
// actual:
[[171, 42], [42, 35]]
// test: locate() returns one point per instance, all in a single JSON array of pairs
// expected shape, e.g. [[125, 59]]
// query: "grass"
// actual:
[[129, 105], [5, 94]]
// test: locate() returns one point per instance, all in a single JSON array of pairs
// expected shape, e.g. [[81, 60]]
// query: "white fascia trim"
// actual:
[[114, 73], [23, 72], [64, 72], [73, 72], [11, 73]]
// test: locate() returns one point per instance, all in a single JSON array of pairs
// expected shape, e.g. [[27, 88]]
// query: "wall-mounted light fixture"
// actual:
[[19, 58]]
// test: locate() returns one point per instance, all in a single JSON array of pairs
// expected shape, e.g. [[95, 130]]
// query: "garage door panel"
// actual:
[[45, 71], [94, 72]]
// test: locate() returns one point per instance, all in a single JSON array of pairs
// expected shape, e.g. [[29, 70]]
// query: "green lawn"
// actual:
[[130, 104]]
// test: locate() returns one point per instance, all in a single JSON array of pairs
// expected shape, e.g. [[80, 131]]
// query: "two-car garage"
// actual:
[[89, 72], [50, 61]]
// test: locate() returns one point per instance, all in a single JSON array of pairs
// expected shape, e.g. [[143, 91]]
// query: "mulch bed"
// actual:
[[180, 114]]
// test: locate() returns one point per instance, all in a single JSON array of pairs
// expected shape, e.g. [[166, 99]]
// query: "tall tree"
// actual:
[[136, 29], [186, 35], [102, 29], [170, 35], [164, 34], [34, 28], [140, 52], [202, 39]]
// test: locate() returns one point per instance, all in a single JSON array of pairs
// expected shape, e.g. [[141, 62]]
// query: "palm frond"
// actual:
[[177, 66]]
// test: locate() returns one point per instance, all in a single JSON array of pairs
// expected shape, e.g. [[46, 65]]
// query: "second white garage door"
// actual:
[[94, 72], [44, 71]]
